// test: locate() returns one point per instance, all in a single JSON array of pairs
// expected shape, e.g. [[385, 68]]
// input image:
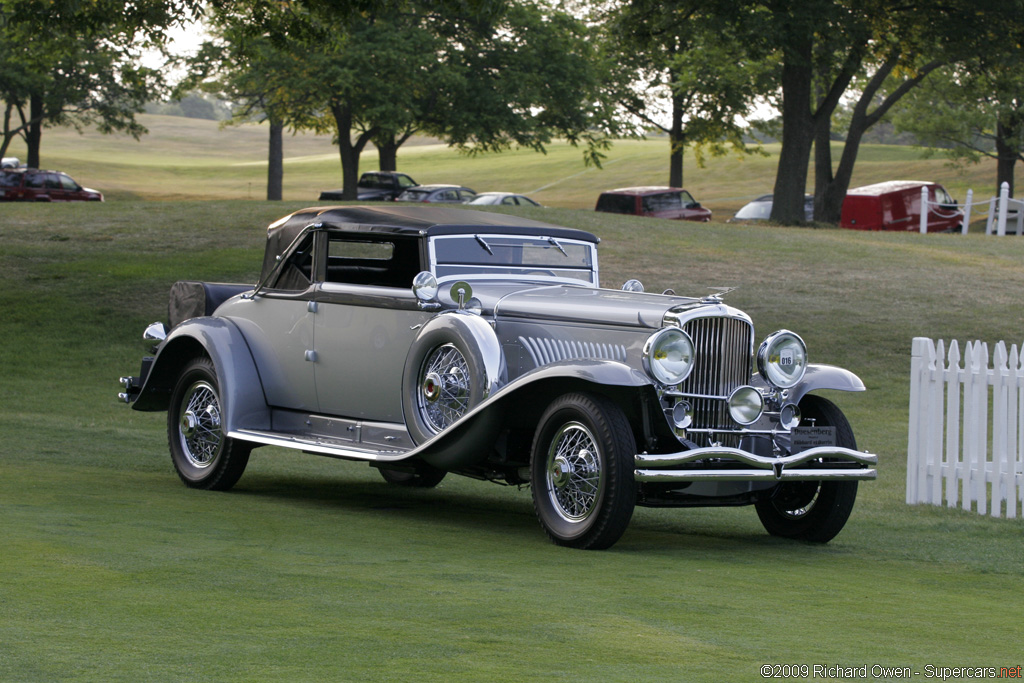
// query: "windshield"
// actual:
[[501, 256], [755, 210]]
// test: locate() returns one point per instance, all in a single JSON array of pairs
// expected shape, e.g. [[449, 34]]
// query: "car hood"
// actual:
[[573, 304]]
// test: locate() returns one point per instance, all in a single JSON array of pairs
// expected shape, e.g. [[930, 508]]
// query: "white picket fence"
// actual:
[[998, 215], [966, 438], [1001, 210]]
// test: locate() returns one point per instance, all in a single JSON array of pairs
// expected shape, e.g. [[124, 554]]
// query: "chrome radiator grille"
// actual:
[[723, 349]]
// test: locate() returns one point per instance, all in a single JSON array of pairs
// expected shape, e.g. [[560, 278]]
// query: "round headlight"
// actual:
[[782, 359], [668, 355], [745, 405]]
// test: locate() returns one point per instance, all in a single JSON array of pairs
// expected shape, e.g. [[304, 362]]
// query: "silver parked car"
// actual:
[[428, 340]]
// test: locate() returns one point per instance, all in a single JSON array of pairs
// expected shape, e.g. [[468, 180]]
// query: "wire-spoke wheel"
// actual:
[[581, 471], [203, 455], [573, 472], [813, 510], [444, 387]]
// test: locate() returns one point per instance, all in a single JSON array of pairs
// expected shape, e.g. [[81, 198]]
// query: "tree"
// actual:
[[824, 45], [532, 76], [259, 77], [71, 63], [679, 68], [972, 110]]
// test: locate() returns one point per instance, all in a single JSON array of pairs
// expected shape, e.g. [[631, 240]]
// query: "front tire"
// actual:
[[813, 511], [581, 470], [203, 455]]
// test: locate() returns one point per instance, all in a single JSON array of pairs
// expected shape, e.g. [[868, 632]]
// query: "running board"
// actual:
[[321, 446]]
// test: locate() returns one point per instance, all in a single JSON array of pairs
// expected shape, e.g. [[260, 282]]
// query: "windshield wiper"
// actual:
[[484, 244], [552, 240]]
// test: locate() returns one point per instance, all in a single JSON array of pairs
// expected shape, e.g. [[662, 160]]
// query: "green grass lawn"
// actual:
[[315, 569]]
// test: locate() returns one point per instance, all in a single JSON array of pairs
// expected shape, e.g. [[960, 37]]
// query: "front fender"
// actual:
[[820, 377], [468, 440], [243, 403]]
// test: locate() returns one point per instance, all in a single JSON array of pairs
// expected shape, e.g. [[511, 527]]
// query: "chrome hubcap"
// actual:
[[445, 387], [200, 425], [574, 475]]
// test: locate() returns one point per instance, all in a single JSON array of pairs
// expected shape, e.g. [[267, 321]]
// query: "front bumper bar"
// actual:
[[719, 463]]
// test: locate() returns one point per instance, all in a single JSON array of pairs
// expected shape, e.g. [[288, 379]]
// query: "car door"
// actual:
[[367, 318], [278, 327], [71, 191]]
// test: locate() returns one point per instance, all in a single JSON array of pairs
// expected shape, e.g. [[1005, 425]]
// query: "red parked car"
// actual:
[[33, 185], [658, 202], [896, 205]]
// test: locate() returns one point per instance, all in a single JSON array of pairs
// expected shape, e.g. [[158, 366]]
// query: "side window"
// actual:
[[616, 203], [405, 181], [297, 273], [686, 199], [449, 196], [662, 202], [67, 183], [509, 201], [52, 181], [356, 260], [35, 180]]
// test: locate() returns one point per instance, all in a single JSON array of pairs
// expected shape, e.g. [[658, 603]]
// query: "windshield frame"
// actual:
[[531, 273]]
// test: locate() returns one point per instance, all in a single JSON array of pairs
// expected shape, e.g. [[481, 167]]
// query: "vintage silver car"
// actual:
[[434, 340]]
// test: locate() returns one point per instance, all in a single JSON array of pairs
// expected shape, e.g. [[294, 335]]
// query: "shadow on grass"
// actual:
[[474, 508]]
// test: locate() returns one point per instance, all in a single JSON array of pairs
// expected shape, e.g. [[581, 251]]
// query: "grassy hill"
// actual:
[[315, 569], [196, 159]]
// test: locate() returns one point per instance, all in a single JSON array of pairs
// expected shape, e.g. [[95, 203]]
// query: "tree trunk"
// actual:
[[677, 143], [823, 179], [1006, 154], [34, 134], [387, 153], [797, 135], [348, 150], [275, 163], [835, 192]]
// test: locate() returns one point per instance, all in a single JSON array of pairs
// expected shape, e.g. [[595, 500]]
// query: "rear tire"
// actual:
[[813, 511], [581, 472], [423, 477], [203, 455]]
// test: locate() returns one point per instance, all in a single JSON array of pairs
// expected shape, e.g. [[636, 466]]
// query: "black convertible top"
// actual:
[[417, 221]]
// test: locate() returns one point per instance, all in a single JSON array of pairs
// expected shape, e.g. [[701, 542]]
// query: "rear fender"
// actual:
[[241, 391]]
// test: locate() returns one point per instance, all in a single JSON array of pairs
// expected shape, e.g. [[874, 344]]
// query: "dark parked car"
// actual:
[[375, 186], [657, 202], [429, 340], [438, 194], [502, 199], [761, 210], [33, 185]]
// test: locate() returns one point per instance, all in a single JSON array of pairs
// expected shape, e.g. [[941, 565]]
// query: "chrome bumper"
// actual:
[[732, 464]]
